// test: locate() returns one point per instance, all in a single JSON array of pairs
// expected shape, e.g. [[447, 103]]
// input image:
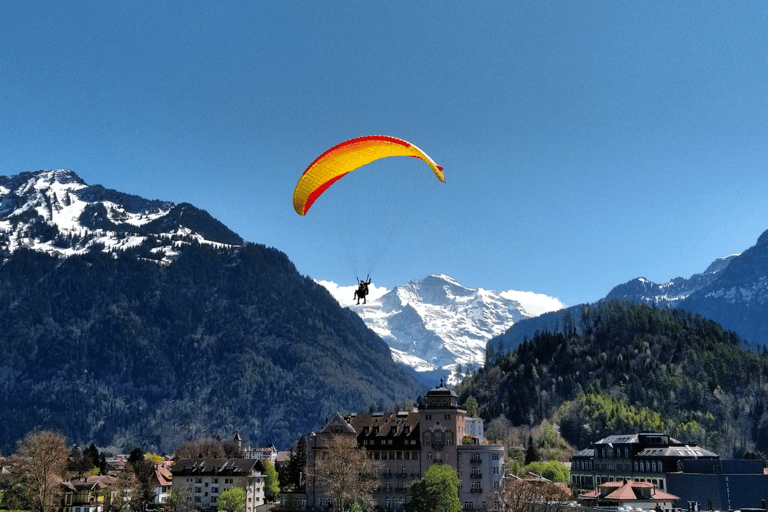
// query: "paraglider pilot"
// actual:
[[362, 290]]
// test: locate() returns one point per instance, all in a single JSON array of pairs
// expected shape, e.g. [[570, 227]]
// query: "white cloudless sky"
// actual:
[[584, 143]]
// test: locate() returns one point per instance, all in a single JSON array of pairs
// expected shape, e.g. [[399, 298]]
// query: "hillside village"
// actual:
[[634, 471]]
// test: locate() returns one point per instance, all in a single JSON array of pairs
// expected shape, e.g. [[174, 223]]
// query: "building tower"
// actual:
[[442, 427]]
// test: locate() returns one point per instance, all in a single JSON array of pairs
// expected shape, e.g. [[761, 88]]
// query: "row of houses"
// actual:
[[203, 479]]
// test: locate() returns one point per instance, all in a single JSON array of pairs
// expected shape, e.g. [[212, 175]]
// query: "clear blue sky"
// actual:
[[584, 143]]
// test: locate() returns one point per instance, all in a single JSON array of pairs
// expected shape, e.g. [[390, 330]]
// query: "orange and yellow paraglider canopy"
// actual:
[[344, 158]]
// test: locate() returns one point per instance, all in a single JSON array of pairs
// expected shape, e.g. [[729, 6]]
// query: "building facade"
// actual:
[[407, 443], [86, 494], [206, 479], [644, 457], [475, 427], [719, 484]]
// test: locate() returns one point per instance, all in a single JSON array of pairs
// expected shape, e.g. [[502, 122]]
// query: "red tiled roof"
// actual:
[[661, 495], [623, 493], [163, 475], [629, 491]]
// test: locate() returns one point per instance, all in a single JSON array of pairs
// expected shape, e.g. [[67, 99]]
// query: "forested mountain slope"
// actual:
[[131, 322], [628, 367]]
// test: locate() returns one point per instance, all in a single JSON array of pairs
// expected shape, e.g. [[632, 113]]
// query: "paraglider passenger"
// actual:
[[362, 290]]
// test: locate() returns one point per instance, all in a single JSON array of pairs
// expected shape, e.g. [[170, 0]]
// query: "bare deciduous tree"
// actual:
[[517, 495], [206, 448], [346, 473], [38, 465]]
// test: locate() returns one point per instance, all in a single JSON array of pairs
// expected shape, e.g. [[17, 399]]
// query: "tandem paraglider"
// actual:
[[340, 160], [362, 290]]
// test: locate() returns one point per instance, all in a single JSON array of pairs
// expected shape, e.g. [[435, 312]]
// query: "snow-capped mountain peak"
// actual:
[[438, 324], [56, 212]]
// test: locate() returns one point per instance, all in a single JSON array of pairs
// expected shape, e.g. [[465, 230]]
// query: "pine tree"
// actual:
[[531, 453]]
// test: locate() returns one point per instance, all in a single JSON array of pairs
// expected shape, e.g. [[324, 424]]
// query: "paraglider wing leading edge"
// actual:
[[344, 158]]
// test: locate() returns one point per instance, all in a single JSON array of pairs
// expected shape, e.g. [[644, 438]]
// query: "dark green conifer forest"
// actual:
[[628, 368], [120, 349]]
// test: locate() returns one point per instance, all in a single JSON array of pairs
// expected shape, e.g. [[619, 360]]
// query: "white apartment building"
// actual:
[[206, 479]]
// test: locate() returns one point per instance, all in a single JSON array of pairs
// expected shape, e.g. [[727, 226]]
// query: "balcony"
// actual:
[[476, 490], [476, 474]]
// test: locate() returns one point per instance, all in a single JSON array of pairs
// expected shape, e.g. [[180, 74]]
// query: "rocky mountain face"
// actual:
[[439, 328], [125, 322]]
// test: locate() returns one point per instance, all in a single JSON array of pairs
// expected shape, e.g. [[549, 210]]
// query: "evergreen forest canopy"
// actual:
[[121, 350], [629, 367]]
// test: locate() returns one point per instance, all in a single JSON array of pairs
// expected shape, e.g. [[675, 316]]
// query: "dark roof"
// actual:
[[337, 425], [223, 467], [441, 390], [385, 425], [676, 451], [586, 452]]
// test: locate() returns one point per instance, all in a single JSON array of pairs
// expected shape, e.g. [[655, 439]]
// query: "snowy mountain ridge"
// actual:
[[732, 291], [436, 324], [674, 292], [56, 212]]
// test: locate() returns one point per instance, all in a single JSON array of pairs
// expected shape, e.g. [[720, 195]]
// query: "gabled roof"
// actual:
[[336, 425]]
